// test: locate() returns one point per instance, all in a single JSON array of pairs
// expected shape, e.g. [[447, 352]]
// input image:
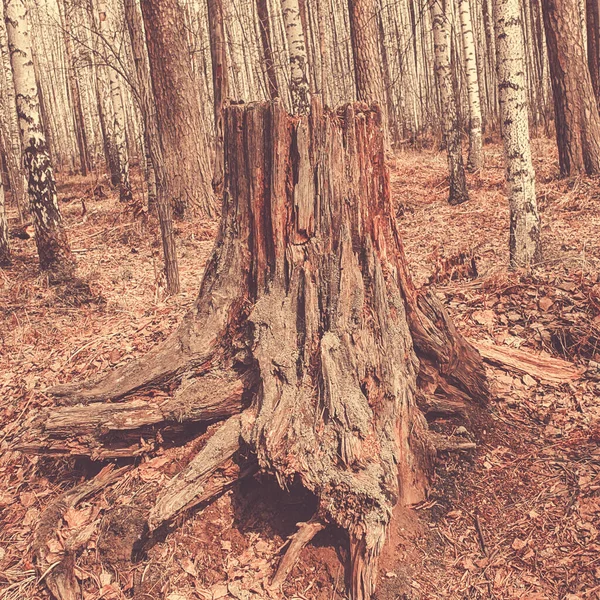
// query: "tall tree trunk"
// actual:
[[75, 96], [264, 24], [299, 88], [118, 125], [470, 58], [324, 49], [575, 106], [177, 108], [306, 334], [4, 245], [148, 109], [218, 52], [9, 126], [443, 71], [593, 43], [365, 50], [50, 236], [525, 229]]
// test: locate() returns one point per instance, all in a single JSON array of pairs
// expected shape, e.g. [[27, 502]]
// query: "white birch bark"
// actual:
[[443, 70], [9, 127], [299, 88], [470, 58], [525, 244], [51, 240]]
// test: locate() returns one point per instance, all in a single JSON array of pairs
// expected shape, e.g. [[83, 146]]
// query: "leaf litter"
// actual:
[[518, 517]]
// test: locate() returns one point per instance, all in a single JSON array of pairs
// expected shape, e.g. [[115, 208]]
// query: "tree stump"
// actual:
[[307, 336]]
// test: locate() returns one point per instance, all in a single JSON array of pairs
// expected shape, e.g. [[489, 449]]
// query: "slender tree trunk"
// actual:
[[443, 71], [118, 125], [50, 236], [575, 106], [9, 125], [365, 50], [475, 136], [4, 245], [264, 24], [133, 19], [593, 43], [178, 108], [324, 49], [78, 124], [218, 52], [525, 229], [299, 88]]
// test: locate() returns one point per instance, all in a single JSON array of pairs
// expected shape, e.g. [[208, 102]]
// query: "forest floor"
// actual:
[[518, 517]]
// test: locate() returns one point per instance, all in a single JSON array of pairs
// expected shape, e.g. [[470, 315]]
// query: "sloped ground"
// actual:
[[517, 518]]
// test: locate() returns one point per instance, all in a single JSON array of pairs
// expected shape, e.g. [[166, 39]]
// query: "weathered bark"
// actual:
[[471, 72], [307, 323], [264, 24], [177, 108], [299, 88], [50, 236], [525, 227], [148, 110], [218, 53], [592, 9], [575, 106], [443, 71], [365, 50]]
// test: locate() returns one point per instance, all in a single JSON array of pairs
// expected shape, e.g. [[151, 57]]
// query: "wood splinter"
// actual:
[[306, 532]]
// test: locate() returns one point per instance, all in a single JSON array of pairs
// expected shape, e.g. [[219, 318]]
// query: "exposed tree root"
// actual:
[[57, 570], [306, 532], [308, 325], [190, 486]]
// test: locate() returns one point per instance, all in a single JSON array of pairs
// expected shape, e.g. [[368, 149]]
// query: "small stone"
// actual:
[[391, 575], [529, 381]]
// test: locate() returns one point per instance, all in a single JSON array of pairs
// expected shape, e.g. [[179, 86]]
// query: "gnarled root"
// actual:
[[306, 532], [309, 326], [190, 487], [57, 570]]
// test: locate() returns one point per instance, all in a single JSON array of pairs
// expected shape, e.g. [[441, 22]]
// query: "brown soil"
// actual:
[[516, 518]]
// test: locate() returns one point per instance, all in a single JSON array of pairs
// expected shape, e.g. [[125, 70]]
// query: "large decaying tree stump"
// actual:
[[307, 336]]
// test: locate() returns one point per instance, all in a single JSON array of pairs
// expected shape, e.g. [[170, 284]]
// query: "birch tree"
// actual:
[[50, 236], [443, 71], [9, 126], [471, 72], [525, 243], [299, 87]]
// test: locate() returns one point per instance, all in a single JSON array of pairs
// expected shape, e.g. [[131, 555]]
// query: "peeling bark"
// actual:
[[307, 309]]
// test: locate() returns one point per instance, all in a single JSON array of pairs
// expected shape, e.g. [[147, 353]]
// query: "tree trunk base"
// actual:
[[308, 336]]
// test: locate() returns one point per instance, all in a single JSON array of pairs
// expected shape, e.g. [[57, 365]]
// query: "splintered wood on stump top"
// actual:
[[308, 316]]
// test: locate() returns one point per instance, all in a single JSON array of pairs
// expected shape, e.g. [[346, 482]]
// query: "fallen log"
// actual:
[[544, 368]]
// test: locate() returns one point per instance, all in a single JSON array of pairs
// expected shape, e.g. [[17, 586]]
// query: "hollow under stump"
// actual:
[[308, 339]]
